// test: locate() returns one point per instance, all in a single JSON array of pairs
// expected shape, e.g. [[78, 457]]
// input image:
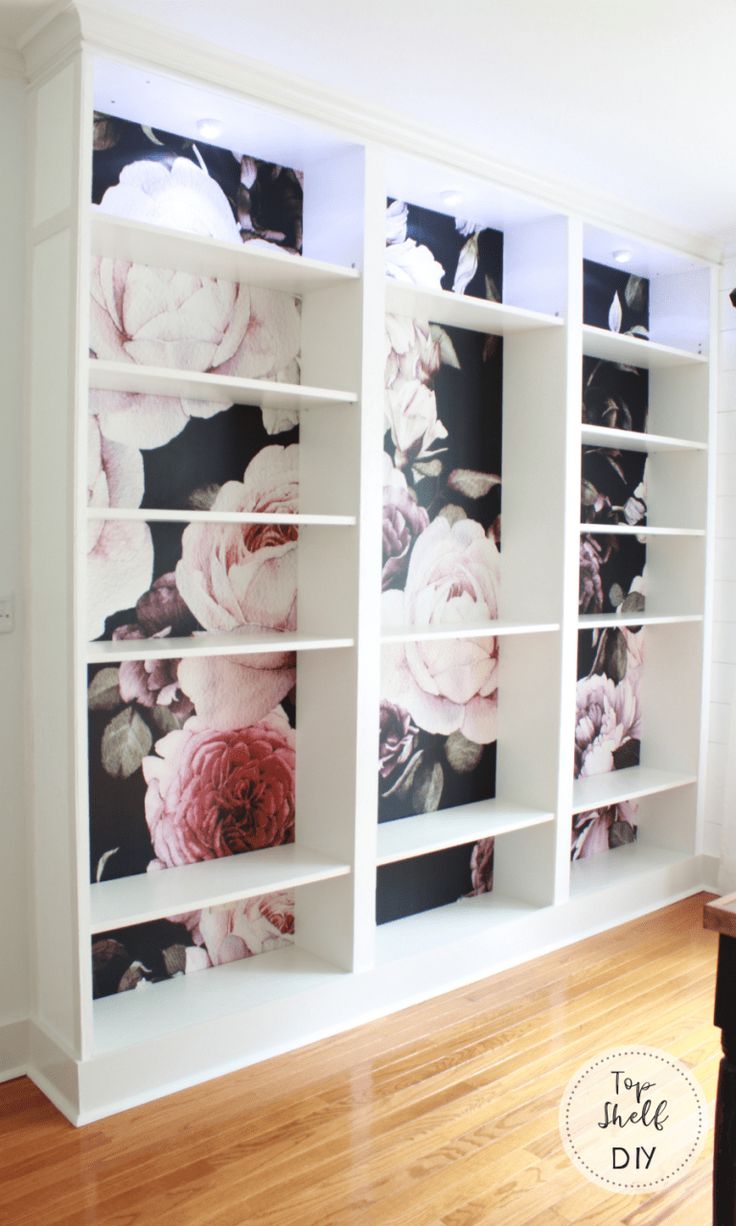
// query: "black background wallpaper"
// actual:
[[615, 396], [410, 886], [601, 283], [440, 234]]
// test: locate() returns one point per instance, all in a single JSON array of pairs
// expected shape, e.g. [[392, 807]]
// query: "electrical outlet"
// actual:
[[7, 620]]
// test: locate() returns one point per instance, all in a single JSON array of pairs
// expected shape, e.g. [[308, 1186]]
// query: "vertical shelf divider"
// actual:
[[343, 342]]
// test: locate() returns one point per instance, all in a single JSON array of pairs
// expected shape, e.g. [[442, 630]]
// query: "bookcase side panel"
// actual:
[[52, 573]]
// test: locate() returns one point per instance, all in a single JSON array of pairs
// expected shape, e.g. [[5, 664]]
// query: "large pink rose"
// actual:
[[119, 555], [181, 196], [447, 685], [403, 520], [229, 933], [405, 259], [154, 683], [217, 793], [156, 316], [145, 421], [481, 866], [607, 716], [244, 575], [175, 320], [234, 691], [413, 357]]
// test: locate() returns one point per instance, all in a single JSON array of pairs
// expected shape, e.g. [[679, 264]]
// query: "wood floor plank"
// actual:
[[443, 1114]]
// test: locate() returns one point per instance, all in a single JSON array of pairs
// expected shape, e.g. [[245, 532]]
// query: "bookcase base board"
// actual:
[[90, 1090]]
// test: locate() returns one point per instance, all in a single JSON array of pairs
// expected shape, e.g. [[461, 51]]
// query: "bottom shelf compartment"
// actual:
[[469, 918], [624, 864], [141, 1016]]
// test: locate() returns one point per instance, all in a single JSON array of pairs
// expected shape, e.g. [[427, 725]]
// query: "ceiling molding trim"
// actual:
[[148, 43], [51, 41], [12, 63]]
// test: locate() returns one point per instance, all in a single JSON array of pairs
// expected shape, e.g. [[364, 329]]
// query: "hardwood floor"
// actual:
[[444, 1113]]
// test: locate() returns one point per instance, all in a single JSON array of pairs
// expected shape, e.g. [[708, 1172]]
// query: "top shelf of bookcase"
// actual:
[[635, 350], [477, 314], [140, 243]]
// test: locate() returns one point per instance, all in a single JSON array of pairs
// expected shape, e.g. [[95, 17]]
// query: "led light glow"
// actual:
[[452, 197], [209, 129], [623, 255]]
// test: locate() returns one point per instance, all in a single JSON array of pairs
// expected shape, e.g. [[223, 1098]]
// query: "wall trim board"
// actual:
[[711, 868], [54, 1072], [131, 38], [13, 1049]]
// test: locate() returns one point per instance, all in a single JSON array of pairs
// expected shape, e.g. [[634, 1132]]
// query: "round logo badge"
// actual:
[[633, 1120]]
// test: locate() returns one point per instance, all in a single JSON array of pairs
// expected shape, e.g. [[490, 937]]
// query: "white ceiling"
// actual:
[[636, 98]]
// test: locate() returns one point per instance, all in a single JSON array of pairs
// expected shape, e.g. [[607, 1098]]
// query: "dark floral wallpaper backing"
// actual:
[[615, 299], [193, 758], [440, 252], [441, 565]]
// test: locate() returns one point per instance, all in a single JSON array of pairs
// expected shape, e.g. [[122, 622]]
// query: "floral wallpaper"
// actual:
[[615, 299], [174, 453], [441, 569], [612, 567], [434, 880], [189, 760], [130, 959], [607, 729], [441, 566], [152, 579], [438, 252], [184, 184], [613, 491], [614, 395]]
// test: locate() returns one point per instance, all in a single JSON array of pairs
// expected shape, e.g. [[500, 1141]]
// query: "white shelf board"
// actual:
[[477, 314], [222, 389], [634, 350], [635, 440], [610, 868], [175, 891], [596, 791], [637, 530], [602, 621], [140, 243], [111, 651], [416, 634], [157, 515], [416, 836], [131, 1018], [456, 922]]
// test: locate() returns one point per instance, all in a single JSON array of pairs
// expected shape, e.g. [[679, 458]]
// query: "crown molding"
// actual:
[[12, 64], [142, 41], [51, 40]]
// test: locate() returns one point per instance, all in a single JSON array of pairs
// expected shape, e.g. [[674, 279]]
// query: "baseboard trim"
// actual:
[[54, 1071], [54, 1095], [13, 1049]]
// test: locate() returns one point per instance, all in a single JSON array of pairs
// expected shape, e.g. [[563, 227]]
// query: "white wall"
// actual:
[[14, 881], [720, 828]]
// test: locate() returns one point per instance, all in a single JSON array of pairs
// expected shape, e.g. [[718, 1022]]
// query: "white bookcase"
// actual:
[[95, 1058]]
